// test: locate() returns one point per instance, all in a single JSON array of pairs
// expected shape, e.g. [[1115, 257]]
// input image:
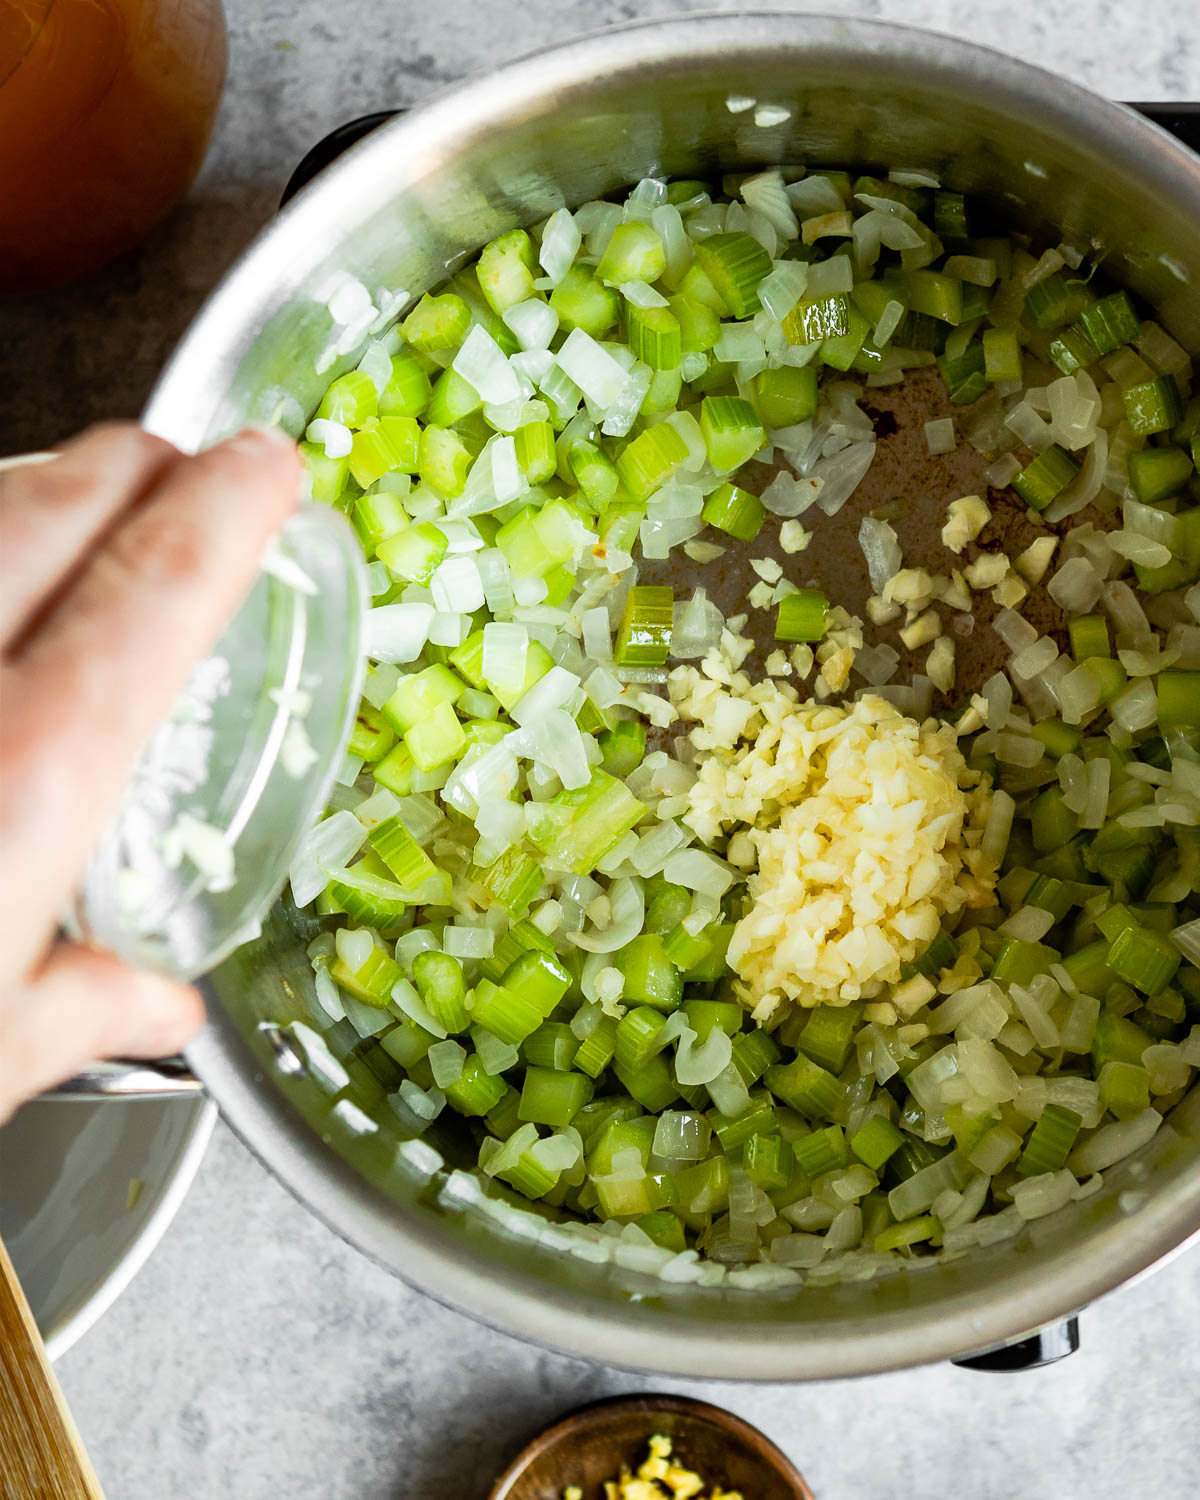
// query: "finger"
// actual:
[[51, 514], [105, 664], [84, 1005]]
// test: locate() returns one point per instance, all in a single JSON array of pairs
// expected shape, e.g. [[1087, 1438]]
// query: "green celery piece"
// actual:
[[1118, 1039], [653, 457], [822, 1151], [637, 1037], [1110, 323], [1001, 355], [505, 269], [373, 981], [735, 511], [758, 1118], [445, 460], [437, 323], [408, 390], [662, 1226], [768, 1161], [537, 975], [371, 738], [378, 515], [1072, 351], [966, 376], [735, 264], [439, 978], [932, 293], [753, 1053], [512, 880], [802, 616], [876, 1142], [1144, 958], [910, 1232], [351, 399], [579, 827], [553, 1098], [1021, 962], [1052, 822], [653, 334], [1055, 301], [521, 937], [812, 322], [536, 457], [652, 1085], [1157, 474], [1153, 407], [644, 634], [828, 1033], [475, 1092], [598, 1048], [501, 1120], [1050, 1141], [436, 739], [705, 1016], [623, 747], [1179, 700], [1045, 477], [634, 253], [413, 554], [1089, 636], [401, 853], [506, 1015], [625, 1129], [327, 476], [846, 350], [704, 1187], [1124, 1088], [785, 397], [396, 770], [806, 1087], [732, 433], [625, 1198], [594, 472], [581, 300]]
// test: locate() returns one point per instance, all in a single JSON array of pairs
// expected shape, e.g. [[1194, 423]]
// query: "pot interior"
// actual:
[[420, 197]]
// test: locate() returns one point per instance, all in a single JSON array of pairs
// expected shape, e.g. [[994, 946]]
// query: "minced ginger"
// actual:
[[659, 1477], [866, 829]]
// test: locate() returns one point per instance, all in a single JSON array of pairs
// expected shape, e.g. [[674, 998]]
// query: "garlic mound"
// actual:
[[866, 828]]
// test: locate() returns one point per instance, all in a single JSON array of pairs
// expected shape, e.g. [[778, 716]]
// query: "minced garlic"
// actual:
[[866, 826], [965, 519]]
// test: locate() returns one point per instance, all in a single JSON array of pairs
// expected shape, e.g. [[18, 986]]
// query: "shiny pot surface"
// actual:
[[420, 195]]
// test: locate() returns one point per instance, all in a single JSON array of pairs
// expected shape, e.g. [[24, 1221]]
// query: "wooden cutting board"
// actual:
[[41, 1454]]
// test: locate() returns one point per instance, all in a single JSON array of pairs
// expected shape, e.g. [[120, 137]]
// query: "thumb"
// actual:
[[82, 1005]]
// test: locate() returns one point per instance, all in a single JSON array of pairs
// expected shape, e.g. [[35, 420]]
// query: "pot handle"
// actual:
[[126, 1078], [1041, 1348], [331, 146]]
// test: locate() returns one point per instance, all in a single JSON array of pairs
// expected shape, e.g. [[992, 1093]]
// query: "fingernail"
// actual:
[[260, 440]]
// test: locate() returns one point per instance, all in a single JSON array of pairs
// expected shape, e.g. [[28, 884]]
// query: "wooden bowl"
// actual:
[[590, 1445]]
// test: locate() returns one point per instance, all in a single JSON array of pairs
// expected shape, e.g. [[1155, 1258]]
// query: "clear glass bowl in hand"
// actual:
[[231, 780]]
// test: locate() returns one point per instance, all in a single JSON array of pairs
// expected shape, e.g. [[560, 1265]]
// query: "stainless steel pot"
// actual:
[[423, 192]]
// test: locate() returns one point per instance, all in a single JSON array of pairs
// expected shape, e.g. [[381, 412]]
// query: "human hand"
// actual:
[[123, 561]]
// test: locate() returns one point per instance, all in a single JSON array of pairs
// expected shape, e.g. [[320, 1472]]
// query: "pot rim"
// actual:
[[417, 1248]]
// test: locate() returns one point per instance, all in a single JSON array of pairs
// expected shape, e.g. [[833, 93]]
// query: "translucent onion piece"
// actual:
[[702, 1064], [329, 844], [561, 240], [628, 909]]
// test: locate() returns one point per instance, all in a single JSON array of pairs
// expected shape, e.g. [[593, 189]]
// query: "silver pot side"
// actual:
[[560, 127]]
